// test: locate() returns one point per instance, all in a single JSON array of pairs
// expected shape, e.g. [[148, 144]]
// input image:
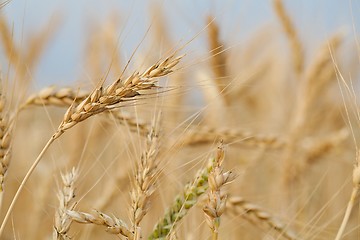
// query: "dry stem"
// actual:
[[353, 197]]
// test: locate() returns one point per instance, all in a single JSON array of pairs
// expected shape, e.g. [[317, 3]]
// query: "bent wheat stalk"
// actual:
[[101, 100]]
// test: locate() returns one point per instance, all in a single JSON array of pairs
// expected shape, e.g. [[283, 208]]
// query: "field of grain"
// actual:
[[250, 140]]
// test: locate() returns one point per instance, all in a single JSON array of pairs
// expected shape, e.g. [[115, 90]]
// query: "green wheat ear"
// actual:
[[182, 203]]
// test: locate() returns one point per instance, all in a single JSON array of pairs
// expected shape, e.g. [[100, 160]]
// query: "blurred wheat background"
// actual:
[[179, 120]]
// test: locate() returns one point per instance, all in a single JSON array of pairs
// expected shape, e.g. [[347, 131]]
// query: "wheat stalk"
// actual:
[[353, 198]]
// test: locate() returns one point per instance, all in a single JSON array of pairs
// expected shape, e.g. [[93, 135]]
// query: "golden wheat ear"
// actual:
[[66, 197], [146, 174], [65, 97], [5, 143], [216, 202]]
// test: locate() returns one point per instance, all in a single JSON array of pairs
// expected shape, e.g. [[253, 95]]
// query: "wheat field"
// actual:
[[256, 142]]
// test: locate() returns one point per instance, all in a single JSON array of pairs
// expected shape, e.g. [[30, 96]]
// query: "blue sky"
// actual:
[[62, 61]]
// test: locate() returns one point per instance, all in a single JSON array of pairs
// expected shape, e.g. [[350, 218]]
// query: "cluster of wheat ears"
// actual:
[[255, 142]]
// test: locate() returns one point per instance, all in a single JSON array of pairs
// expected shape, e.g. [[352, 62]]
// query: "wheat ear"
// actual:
[[5, 144], [113, 224], [62, 97], [101, 100], [255, 214], [183, 203], [65, 97], [290, 31], [66, 202], [218, 56], [216, 204], [204, 134], [146, 173]]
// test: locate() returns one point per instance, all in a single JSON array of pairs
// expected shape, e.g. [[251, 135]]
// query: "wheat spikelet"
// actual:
[[256, 215], [66, 200]]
